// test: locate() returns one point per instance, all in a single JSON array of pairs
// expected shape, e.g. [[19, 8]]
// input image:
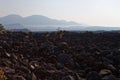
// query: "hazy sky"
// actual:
[[91, 12]]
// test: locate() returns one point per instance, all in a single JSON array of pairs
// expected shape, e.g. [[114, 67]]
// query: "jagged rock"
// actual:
[[104, 72], [65, 58], [109, 77], [93, 76], [69, 77], [34, 76], [8, 55], [17, 77], [60, 56], [59, 66], [8, 70]]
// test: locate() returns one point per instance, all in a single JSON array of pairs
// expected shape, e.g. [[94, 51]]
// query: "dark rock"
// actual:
[[93, 76], [104, 72], [69, 77], [59, 66], [65, 58], [60, 55], [109, 77]]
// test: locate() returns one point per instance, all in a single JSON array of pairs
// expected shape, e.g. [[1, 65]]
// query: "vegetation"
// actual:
[[1, 27], [2, 75]]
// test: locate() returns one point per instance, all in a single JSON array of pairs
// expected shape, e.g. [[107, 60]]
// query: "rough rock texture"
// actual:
[[60, 56]]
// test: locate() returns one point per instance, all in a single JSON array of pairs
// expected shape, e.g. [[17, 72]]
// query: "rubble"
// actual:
[[60, 56]]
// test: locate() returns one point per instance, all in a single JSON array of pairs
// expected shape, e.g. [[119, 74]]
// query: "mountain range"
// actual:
[[34, 22], [43, 23]]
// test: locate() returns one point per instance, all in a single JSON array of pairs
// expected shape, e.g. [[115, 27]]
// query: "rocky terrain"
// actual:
[[60, 56]]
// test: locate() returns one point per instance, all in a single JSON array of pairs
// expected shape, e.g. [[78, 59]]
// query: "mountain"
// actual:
[[34, 20], [43, 23], [14, 26], [20, 30], [11, 19], [96, 28], [42, 20]]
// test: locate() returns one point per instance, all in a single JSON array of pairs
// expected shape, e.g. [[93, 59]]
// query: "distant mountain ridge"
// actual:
[[20, 30], [43, 23], [14, 26], [34, 20]]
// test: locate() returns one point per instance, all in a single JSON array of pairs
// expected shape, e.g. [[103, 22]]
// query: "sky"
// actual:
[[90, 12]]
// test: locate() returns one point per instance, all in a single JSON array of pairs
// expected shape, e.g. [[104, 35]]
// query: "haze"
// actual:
[[90, 12]]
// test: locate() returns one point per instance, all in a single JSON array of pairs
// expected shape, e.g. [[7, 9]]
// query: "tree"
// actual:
[[1, 27]]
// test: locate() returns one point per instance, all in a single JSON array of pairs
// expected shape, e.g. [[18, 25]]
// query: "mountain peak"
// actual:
[[34, 20], [12, 16]]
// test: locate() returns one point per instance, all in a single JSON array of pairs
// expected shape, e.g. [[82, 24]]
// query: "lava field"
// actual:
[[60, 55]]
